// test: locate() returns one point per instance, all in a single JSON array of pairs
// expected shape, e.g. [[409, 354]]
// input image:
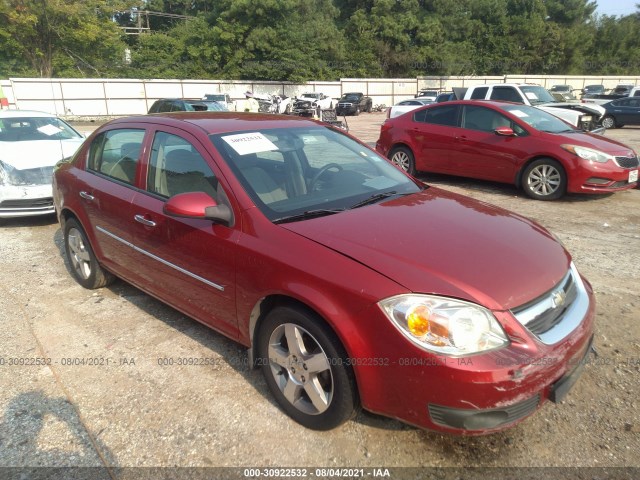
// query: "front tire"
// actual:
[[357, 111], [84, 265], [544, 179], [609, 122], [306, 369], [403, 157]]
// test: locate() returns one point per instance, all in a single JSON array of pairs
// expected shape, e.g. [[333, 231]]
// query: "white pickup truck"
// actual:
[[587, 117]]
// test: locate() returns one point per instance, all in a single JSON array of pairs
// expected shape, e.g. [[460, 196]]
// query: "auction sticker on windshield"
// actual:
[[246, 143], [633, 176]]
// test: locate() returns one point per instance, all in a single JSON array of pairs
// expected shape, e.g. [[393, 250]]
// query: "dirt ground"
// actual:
[[83, 380]]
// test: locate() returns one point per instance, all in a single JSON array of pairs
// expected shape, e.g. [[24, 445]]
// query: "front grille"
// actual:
[[549, 318], [545, 312], [622, 183], [27, 203], [627, 162], [345, 105]]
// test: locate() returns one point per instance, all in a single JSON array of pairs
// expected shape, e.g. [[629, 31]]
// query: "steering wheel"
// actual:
[[321, 172]]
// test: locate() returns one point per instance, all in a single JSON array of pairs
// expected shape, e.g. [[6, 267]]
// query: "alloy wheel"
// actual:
[[80, 256], [544, 180], [301, 369]]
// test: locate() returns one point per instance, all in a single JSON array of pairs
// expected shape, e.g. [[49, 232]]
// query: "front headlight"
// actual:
[[444, 325], [588, 153]]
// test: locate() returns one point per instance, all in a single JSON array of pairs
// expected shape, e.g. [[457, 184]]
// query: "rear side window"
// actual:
[[116, 153], [444, 115], [507, 94], [479, 93]]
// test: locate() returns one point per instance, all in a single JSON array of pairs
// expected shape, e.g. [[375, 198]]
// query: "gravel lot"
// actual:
[[122, 408]]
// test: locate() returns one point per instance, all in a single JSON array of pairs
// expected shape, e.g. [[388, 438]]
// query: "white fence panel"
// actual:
[[119, 97]]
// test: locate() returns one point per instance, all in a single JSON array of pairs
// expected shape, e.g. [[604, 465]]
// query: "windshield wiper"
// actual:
[[374, 198], [320, 212]]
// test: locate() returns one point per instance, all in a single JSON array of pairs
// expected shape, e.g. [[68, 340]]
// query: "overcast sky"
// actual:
[[616, 7]]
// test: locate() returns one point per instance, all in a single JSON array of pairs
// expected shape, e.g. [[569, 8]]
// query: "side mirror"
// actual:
[[198, 205], [505, 132]]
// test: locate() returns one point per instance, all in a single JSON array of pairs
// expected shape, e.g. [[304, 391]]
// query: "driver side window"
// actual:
[[177, 167]]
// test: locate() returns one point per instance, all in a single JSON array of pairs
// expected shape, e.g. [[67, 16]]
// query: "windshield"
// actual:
[[214, 106], [351, 97], [292, 171], [539, 119], [311, 95], [16, 129], [215, 98], [537, 95]]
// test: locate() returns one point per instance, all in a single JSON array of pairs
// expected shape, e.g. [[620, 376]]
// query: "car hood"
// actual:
[[443, 243], [597, 142], [593, 108], [37, 153]]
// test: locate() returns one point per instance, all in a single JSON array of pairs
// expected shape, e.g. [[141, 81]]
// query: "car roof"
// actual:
[[24, 113], [507, 85], [222, 122]]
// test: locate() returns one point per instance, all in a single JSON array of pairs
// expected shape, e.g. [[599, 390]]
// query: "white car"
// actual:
[[428, 94], [406, 106], [317, 98], [31, 143], [223, 98]]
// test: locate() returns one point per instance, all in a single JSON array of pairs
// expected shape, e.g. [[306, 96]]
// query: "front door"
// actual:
[[188, 262]]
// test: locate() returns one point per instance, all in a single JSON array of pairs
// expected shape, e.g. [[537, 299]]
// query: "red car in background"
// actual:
[[349, 282], [510, 143]]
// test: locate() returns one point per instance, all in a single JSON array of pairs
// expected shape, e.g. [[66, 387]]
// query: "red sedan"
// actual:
[[349, 282], [508, 143]]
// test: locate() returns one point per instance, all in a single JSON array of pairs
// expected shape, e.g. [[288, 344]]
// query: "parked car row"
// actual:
[[620, 91]]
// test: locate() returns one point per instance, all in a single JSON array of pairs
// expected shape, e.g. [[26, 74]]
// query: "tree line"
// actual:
[[300, 40]]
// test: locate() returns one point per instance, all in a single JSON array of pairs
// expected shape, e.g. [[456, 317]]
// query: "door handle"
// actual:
[[144, 221], [87, 196]]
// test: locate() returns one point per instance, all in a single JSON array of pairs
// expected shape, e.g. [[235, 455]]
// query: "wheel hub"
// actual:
[[297, 368]]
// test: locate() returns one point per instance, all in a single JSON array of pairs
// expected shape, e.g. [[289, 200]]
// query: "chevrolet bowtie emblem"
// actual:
[[558, 298]]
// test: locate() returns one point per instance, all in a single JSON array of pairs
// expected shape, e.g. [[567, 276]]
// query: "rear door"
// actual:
[[433, 134], [107, 187], [188, 262]]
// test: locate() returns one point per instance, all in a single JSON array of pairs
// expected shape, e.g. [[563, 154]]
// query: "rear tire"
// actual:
[[306, 368], [403, 158], [544, 179], [84, 265]]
